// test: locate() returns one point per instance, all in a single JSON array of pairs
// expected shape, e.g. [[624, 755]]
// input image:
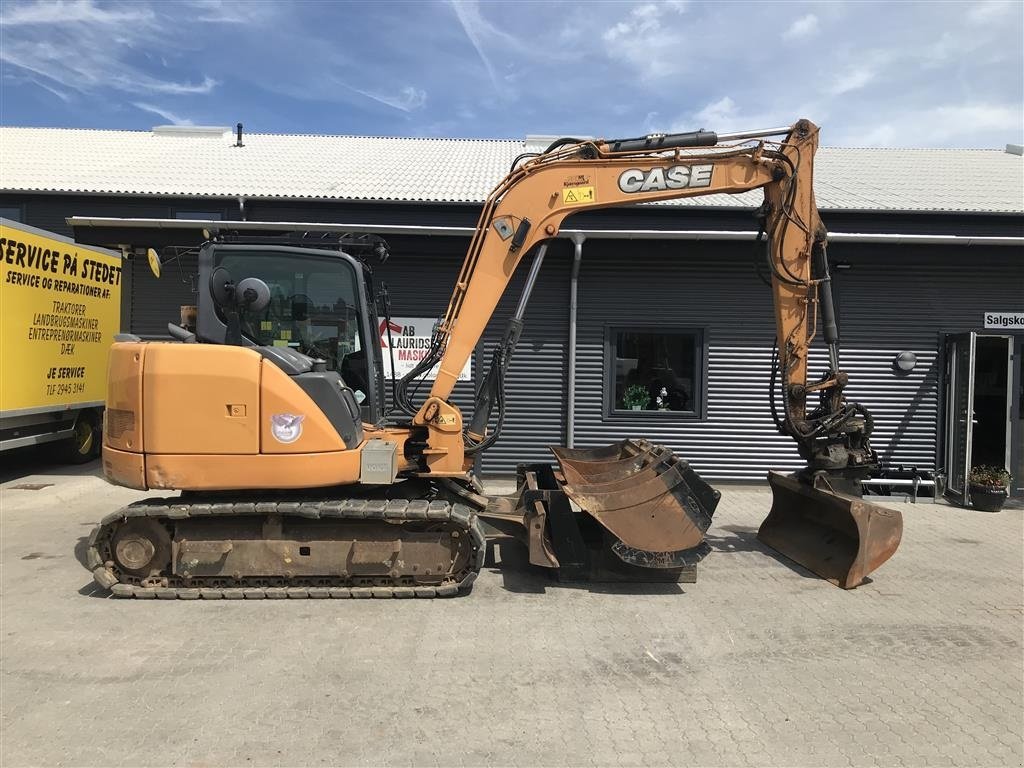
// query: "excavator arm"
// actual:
[[531, 203]]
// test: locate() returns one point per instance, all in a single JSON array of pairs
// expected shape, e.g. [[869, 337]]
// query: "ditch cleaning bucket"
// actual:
[[649, 499]]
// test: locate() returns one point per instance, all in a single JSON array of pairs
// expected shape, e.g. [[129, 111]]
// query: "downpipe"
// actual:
[[574, 282]]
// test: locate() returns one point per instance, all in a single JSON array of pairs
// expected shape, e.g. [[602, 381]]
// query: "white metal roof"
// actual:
[[205, 163]]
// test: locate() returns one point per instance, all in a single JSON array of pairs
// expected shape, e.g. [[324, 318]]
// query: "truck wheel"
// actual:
[[87, 441]]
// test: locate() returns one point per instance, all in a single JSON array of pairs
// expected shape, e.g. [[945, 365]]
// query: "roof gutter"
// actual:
[[607, 234]]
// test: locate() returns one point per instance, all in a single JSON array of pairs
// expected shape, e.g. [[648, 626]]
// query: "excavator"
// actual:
[[268, 415]]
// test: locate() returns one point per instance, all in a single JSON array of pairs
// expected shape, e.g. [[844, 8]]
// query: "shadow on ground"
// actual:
[[520, 577], [43, 460], [744, 539]]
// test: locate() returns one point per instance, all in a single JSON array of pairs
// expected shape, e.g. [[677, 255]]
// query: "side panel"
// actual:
[[124, 468], [122, 428], [201, 399], [296, 470], [290, 422]]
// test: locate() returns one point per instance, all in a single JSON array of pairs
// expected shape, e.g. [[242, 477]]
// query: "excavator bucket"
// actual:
[[839, 537], [654, 505]]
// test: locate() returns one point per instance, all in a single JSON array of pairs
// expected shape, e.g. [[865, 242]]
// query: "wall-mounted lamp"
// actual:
[[905, 362]]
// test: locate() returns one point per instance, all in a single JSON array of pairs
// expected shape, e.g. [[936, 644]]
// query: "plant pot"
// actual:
[[635, 407], [988, 498]]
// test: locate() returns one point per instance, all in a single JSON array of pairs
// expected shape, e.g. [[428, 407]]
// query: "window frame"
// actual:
[[212, 326], [699, 413]]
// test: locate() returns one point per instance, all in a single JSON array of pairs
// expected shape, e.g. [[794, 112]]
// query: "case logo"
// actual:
[[286, 427], [658, 179]]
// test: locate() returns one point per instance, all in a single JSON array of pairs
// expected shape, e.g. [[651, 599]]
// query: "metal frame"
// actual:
[[1016, 414], [699, 413], [609, 234], [952, 412]]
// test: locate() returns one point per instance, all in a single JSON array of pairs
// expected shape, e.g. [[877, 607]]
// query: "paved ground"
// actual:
[[757, 664]]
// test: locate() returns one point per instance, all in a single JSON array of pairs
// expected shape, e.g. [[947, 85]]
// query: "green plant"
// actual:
[[993, 477], [635, 395]]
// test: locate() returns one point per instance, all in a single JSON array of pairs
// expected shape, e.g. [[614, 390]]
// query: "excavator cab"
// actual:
[[319, 305]]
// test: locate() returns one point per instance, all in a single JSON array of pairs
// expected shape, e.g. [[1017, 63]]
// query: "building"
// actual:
[[926, 250]]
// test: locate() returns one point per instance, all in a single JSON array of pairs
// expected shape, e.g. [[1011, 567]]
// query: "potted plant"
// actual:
[[990, 487], [662, 399], [635, 397]]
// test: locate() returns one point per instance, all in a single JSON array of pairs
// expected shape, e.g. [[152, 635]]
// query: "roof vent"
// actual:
[[192, 131], [1015, 149]]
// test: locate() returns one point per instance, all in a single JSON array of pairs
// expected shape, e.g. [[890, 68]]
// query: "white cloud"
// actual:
[[647, 39], [473, 24], [642, 19], [725, 115], [717, 114], [851, 80], [167, 115], [228, 12], [805, 26], [990, 10], [76, 12], [407, 99], [73, 46], [940, 126]]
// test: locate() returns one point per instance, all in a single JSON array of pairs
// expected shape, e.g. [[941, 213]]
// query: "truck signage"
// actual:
[[60, 306]]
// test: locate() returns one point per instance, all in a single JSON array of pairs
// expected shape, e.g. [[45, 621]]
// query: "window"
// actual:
[[653, 370], [10, 212], [314, 308]]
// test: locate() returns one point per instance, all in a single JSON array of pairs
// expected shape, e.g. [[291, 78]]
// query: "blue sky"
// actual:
[[872, 74]]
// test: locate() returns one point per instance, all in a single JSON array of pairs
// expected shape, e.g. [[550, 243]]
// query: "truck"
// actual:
[[60, 308]]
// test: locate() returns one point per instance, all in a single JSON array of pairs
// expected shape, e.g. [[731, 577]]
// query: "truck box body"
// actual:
[[60, 307]]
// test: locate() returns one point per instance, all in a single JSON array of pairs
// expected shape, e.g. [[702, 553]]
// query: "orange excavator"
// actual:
[[268, 415]]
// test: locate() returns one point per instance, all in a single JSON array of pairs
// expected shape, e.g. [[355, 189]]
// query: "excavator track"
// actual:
[[123, 534]]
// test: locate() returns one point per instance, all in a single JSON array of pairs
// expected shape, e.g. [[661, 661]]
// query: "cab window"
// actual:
[[314, 308]]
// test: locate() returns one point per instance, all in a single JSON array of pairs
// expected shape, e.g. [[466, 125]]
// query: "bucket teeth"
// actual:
[[841, 538], [650, 500]]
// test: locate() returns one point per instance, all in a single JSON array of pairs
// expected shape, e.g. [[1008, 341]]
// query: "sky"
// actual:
[[900, 74]]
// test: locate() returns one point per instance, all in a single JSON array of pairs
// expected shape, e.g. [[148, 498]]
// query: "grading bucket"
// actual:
[[839, 537]]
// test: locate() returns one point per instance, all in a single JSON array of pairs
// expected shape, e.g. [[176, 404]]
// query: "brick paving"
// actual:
[[756, 664]]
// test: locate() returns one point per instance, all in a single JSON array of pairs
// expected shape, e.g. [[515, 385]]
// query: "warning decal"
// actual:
[[577, 195]]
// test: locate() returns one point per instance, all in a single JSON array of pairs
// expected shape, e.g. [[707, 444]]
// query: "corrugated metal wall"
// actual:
[[420, 275], [892, 299], [536, 381], [157, 302]]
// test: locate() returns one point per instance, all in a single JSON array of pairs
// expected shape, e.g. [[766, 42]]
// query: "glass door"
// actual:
[[960, 353]]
